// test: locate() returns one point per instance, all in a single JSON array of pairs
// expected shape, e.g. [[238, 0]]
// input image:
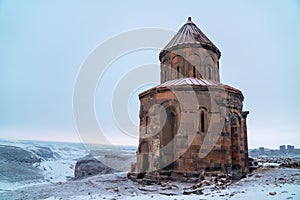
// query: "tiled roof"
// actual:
[[195, 82], [188, 35]]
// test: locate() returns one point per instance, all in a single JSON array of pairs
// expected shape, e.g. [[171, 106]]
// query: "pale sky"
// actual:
[[44, 43]]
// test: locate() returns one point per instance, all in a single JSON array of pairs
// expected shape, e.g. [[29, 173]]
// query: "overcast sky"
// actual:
[[44, 43]]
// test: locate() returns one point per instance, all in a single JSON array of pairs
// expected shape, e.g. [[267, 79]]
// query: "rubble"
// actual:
[[282, 180], [272, 162], [165, 184]]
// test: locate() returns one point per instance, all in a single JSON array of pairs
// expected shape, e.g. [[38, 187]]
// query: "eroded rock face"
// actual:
[[45, 152], [31, 155], [17, 154], [89, 166], [21, 164]]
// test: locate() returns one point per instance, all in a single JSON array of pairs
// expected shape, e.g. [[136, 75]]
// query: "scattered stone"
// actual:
[[169, 187], [168, 193], [272, 193], [148, 181], [223, 180], [219, 183], [198, 191], [205, 183], [148, 189], [253, 164], [272, 162]]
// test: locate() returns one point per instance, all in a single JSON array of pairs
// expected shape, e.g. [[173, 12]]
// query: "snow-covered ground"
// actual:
[[266, 183], [51, 178]]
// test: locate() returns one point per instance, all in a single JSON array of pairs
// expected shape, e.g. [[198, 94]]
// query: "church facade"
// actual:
[[191, 124]]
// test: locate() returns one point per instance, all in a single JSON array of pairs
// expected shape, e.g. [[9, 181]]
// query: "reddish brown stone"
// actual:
[[200, 123]]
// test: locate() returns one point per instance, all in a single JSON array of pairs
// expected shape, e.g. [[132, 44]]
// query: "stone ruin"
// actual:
[[191, 125]]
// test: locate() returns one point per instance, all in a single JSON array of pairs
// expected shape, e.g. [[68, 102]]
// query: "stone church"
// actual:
[[191, 124]]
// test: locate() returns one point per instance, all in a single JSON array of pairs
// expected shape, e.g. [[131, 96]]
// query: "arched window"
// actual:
[[202, 126], [209, 72], [166, 72], [176, 63], [202, 121], [194, 71], [147, 123], [165, 65], [208, 64]]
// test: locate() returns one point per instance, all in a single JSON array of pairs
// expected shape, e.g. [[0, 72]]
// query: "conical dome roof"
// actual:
[[189, 35]]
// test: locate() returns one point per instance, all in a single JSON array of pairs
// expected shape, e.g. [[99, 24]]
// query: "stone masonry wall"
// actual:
[[221, 147], [205, 61]]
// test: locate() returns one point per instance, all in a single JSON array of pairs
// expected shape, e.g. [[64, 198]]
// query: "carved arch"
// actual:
[[209, 67], [177, 67], [194, 59], [203, 120]]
